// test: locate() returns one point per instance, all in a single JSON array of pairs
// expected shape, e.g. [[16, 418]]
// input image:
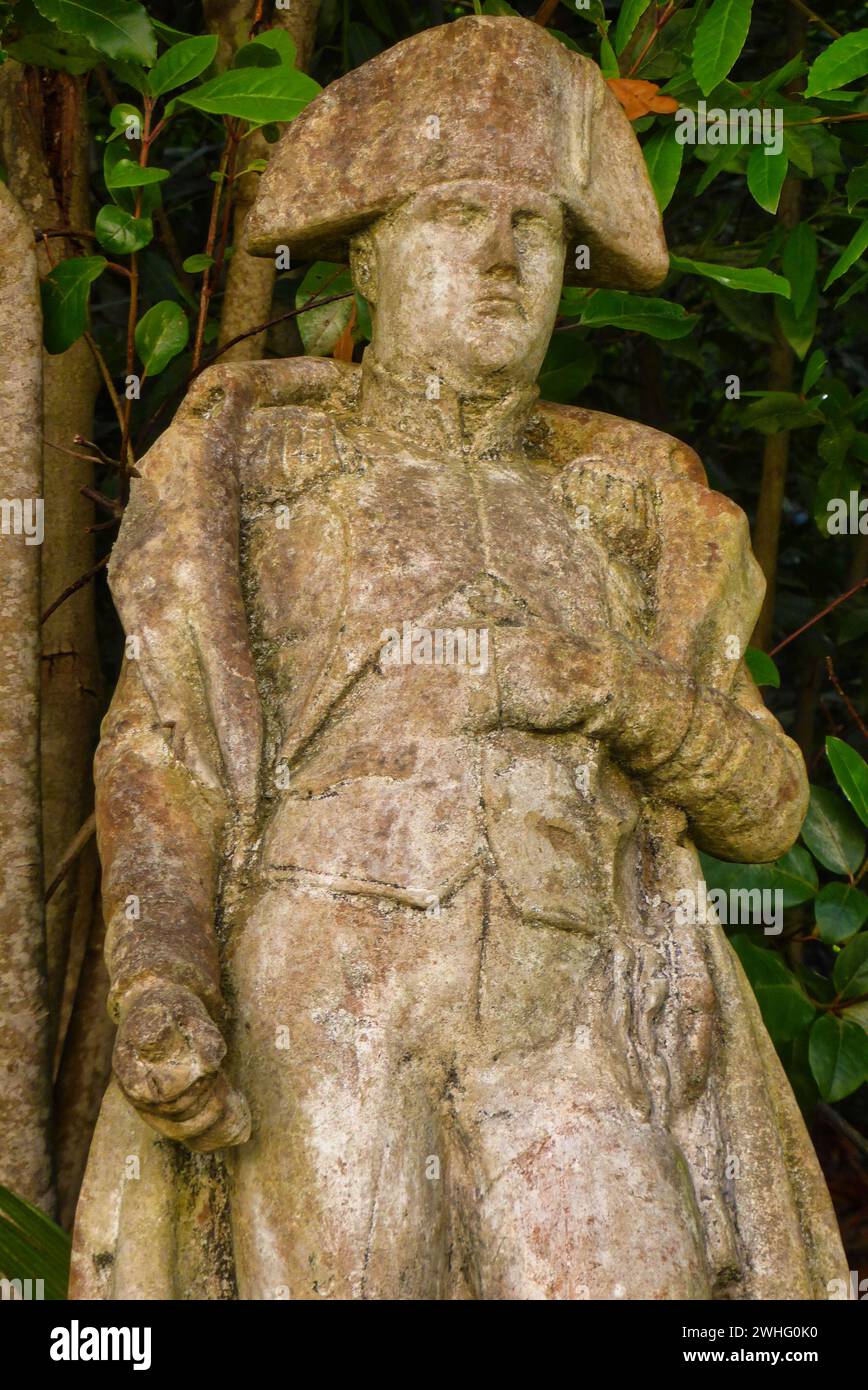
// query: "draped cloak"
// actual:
[[156, 1221]]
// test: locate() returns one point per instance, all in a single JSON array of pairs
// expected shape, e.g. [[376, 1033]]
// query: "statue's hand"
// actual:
[[167, 1059], [550, 679]]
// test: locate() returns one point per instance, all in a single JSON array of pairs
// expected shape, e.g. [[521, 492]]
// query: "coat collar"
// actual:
[[432, 416]]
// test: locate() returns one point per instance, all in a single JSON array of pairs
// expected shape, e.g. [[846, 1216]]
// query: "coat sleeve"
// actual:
[[739, 779], [176, 769], [160, 832], [722, 757]]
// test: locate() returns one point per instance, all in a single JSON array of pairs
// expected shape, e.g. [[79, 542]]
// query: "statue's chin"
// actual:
[[491, 355]]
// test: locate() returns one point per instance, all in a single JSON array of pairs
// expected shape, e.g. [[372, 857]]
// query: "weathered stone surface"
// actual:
[[461, 101], [25, 1064], [436, 692]]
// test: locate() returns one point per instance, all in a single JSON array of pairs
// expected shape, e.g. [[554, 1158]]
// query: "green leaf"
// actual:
[[835, 440], [65, 295], [851, 774], [363, 43], [780, 410], [663, 157], [635, 313], [32, 1246], [799, 329], [321, 328], [800, 264], [194, 265], [839, 1056], [857, 187], [568, 367], [833, 486], [117, 28], [268, 49], [762, 668], [850, 975], [850, 255], [130, 73], [756, 279], [378, 14], [749, 313], [814, 368], [725, 156], [161, 334], [43, 45], [121, 116], [719, 39], [593, 11], [842, 62], [799, 151], [126, 173], [630, 13], [255, 94], [841, 910], [120, 232], [608, 60], [181, 63], [832, 833], [794, 875], [765, 176], [855, 288], [785, 1007]]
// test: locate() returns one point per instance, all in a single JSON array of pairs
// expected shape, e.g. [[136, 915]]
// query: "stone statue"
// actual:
[[432, 689]]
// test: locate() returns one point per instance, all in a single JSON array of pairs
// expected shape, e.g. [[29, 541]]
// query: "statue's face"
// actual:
[[465, 280]]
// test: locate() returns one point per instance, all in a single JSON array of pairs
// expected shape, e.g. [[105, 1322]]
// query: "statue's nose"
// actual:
[[498, 254]]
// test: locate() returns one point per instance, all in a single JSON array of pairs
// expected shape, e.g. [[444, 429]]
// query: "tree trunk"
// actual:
[[25, 1079], [776, 455], [250, 279], [45, 145], [44, 140]]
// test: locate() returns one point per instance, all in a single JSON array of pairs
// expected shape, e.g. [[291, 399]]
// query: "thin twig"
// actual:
[[43, 233], [851, 709], [103, 456], [74, 588], [205, 292], [73, 850], [815, 18], [843, 1127], [545, 12], [659, 24], [261, 327], [107, 380], [829, 120], [817, 616], [108, 504], [73, 453]]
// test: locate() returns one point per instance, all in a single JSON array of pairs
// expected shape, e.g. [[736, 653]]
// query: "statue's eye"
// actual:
[[456, 214], [530, 223]]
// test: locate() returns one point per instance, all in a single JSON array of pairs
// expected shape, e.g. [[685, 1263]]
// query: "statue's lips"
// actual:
[[492, 303]]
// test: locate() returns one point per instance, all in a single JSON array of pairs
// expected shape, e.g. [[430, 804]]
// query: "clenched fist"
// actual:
[[167, 1059]]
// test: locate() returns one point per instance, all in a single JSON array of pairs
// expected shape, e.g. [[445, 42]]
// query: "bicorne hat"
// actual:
[[481, 97]]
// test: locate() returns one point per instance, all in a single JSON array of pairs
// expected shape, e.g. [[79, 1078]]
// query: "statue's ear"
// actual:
[[363, 265]]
